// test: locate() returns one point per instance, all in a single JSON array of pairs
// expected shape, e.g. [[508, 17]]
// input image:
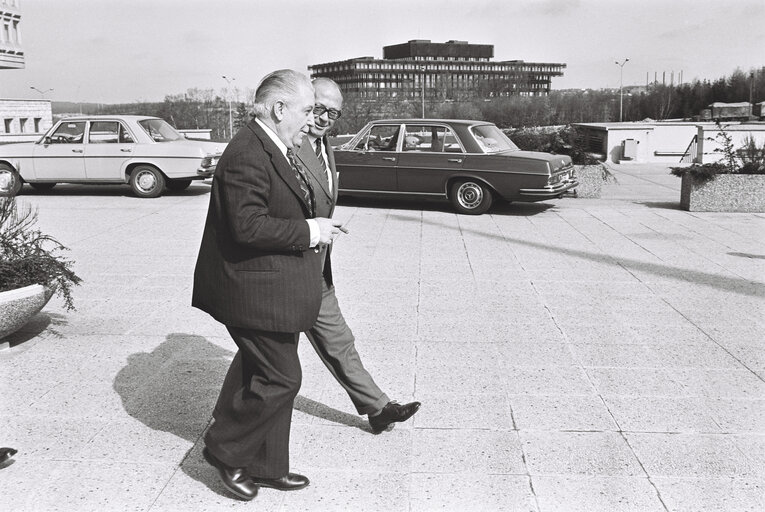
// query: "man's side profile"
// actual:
[[330, 335], [259, 273]]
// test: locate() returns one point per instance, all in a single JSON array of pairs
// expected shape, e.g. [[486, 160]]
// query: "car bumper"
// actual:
[[556, 190], [206, 172]]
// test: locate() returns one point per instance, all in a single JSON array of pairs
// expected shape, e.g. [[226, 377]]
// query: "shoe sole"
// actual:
[[214, 463], [282, 488]]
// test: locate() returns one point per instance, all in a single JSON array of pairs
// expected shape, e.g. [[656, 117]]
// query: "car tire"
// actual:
[[42, 187], [147, 181], [178, 185], [470, 197], [10, 181]]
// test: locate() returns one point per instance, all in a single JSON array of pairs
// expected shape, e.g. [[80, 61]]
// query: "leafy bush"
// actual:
[[27, 256], [560, 141], [752, 157], [701, 172]]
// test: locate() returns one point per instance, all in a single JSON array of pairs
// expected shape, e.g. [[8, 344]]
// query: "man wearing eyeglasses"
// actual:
[[330, 335]]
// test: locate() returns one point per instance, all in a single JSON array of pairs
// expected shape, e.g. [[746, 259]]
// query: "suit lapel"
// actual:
[[333, 170], [307, 155], [281, 165]]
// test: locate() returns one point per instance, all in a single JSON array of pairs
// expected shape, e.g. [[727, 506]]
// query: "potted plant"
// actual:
[[736, 183], [31, 268], [590, 172]]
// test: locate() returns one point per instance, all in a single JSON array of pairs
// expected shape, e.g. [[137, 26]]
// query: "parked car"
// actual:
[[145, 152], [472, 163]]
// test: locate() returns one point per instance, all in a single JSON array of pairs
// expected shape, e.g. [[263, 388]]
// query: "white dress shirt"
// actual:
[[312, 140], [313, 226]]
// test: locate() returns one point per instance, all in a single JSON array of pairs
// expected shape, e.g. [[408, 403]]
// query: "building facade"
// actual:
[[11, 53], [24, 120], [446, 71]]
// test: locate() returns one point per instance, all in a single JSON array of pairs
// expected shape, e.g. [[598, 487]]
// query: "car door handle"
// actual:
[[389, 158], [76, 151], [455, 160], [126, 150]]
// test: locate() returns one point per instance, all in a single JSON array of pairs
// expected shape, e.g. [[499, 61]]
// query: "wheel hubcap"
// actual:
[[469, 195], [146, 181]]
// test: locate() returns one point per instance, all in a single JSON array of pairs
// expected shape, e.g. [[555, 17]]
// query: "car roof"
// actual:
[[465, 122], [130, 117]]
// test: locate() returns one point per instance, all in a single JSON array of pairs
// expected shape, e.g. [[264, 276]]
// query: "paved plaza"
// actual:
[[570, 355]]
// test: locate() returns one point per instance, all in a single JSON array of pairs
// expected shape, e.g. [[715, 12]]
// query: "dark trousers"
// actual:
[[334, 342], [254, 410]]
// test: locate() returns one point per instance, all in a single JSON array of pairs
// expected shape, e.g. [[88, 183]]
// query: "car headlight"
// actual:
[[210, 161]]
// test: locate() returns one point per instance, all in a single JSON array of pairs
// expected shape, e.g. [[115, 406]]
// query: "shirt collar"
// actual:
[[272, 135]]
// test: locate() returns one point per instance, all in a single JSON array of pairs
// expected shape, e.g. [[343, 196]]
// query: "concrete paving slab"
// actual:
[[561, 413], [722, 494], [662, 414], [465, 491], [588, 493], [482, 452]]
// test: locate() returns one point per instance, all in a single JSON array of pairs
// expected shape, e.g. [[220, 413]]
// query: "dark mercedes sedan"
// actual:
[[472, 163]]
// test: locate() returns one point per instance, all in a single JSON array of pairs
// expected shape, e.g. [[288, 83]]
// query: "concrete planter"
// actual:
[[590, 179], [724, 193], [18, 306]]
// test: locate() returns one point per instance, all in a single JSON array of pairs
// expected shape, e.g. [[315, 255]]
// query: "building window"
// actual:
[[23, 124], [37, 124], [8, 124]]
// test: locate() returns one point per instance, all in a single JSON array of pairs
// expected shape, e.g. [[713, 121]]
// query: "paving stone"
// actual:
[[723, 494], [596, 493]]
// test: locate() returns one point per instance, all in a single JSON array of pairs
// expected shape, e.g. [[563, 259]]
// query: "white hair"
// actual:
[[278, 86]]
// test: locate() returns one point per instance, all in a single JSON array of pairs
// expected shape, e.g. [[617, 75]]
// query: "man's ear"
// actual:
[[278, 110]]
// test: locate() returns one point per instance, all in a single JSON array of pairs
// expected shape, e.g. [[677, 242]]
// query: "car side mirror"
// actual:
[[47, 141]]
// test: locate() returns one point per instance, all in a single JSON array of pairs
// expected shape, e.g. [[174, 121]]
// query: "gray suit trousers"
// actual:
[[334, 342]]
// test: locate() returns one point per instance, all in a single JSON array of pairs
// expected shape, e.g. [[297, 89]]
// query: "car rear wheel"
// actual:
[[147, 181], [178, 185], [42, 187], [10, 181], [470, 197]]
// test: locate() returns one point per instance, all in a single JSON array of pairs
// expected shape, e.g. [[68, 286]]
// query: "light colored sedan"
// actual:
[[145, 152]]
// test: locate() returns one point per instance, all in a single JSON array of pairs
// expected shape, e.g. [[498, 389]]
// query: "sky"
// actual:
[[118, 51]]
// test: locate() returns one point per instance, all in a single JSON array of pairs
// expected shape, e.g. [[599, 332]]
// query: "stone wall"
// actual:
[[724, 193], [24, 119]]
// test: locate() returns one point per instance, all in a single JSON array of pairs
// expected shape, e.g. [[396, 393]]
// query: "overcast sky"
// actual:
[[140, 50]]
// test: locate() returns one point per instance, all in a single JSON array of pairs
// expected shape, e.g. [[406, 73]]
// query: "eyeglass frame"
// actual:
[[332, 113]]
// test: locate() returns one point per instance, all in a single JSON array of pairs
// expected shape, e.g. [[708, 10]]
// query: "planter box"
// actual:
[[18, 306], [724, 193]]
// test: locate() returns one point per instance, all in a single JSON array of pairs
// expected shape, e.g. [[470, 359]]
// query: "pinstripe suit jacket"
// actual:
[[255, 269], [325, 199]]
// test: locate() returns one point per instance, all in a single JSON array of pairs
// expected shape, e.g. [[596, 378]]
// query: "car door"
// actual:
[[430, 154], [371, 164], [60, 156], [110, 146]]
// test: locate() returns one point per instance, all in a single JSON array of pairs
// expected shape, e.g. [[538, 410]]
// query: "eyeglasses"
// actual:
[[332, 113]]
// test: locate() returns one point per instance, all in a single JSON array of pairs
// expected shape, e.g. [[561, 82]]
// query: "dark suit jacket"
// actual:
[[325, 200], [255, 269]]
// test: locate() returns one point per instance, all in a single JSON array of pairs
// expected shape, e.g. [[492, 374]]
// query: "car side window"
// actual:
[[379, 138], [125, 135], [68, 133], [104, 132], [429, 138]]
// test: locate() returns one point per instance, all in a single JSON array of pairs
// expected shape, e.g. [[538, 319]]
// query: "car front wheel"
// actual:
[[178, 185], [10, 181], [147, 181], [470, 197]]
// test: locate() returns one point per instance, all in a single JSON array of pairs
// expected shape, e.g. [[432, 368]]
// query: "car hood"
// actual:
[[206, 145]]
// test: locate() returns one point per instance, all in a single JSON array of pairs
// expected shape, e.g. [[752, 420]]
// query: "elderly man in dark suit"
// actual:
[[259, 273], [330, 335]]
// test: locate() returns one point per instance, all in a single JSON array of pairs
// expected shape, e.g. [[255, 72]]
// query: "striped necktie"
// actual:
[[305, 185], [320, 156]]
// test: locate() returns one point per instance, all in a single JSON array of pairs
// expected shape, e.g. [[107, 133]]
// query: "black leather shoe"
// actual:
[[289, 482], [391, 413], [233, 479]]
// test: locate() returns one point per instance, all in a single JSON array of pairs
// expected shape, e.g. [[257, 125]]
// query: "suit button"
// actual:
[[316, 250]]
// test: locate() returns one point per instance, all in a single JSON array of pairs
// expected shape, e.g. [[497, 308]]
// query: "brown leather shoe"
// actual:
[[391, 413], [289, 482], [233, 479]]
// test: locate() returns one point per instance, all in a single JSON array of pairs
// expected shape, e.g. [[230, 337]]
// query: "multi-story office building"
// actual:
[[451, 70], [11, 54]]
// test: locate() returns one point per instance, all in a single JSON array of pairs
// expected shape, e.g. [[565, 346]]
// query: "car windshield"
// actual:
[[159, 130], [491, 139]]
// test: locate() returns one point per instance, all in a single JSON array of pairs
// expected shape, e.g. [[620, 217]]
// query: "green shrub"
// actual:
[[27, 256]]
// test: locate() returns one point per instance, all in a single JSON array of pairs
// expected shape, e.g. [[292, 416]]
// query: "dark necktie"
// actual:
[[320, 156], [305, 185]]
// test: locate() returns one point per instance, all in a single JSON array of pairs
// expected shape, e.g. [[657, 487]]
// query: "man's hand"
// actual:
[[329, 229]]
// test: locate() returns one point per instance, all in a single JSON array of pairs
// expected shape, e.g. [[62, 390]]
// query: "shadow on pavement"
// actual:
[[37, 325], [71, 189], [174, 387], [664, 205], [441, 205], [729, 284], [747, 255], [319, 410]]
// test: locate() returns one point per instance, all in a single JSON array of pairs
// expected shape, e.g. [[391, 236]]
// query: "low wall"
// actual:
[[709, 143]]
